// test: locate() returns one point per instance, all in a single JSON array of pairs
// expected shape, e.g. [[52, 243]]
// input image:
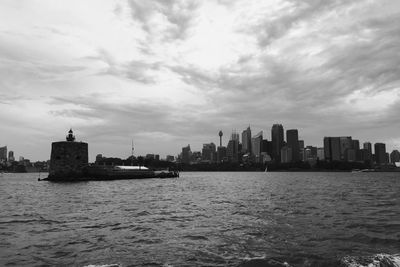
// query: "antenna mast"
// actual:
[[132, 154]]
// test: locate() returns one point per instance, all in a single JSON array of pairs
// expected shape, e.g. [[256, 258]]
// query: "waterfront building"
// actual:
[[395, 156], [356, 144], [99, 158], [246, 141], [3, 154], [256, 143], [196, 157], [320, 153], [301, 150], [157, 157], [286, 154], [368, 146], [186, 154], [170, 158], [150, 156], [221, 154], [364, 155], [292, 138], [311, 153], [208, 151], [11, 156], [266, 147], [332, 148], [232, 150], [380, 153], [350, 155], [277, 141], [345, 143]]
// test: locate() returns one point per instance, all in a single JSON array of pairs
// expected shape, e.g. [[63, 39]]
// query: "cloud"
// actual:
[[169, 73]]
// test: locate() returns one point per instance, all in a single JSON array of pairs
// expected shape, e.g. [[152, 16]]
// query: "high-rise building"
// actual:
[[99, 158], [301, 148], [277, 141], [380, 153], [292, 138], [320, 153], [286, 154], [356, 144], [246, 141], [232, 150], [221, 154], [186, 154], [345, 143], [256, 143], [368, 146], [11, 157], [364, 155], [3, 154], [395, 156], [208, 151], [332, 148]]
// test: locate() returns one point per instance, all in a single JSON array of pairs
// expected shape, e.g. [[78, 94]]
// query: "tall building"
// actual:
[[256, 143], [301, 148], [277, 141], [11, 157], [286, 154], [320, 153], [380, 153], [246, 141], [368, 147], [186, 154], [292, 138], [395, 156], [232, 152], [3, 154], [208, 151], [221, 154], [332, 148], [356, 145], [345, 143]]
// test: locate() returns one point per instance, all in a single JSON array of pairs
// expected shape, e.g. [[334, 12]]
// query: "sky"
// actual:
[[167, 73]]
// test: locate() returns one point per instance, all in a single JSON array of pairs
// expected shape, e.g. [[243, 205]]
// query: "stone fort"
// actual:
[[68, 158]]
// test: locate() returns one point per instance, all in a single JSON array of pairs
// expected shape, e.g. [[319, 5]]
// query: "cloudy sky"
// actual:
[[169, 73]]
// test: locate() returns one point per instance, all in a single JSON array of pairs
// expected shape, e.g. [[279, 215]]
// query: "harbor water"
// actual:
[[202, 219]]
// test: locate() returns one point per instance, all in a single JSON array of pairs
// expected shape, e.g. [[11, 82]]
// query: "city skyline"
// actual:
[[289, 137], [171, 73]]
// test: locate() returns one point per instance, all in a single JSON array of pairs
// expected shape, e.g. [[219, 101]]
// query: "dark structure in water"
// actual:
[[69, 162], [68, 159]]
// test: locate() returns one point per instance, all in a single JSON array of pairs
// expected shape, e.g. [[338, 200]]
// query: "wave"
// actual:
[[104, 265], [378, 260]]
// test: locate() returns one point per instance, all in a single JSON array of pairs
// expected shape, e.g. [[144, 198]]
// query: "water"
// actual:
[[203, 219]]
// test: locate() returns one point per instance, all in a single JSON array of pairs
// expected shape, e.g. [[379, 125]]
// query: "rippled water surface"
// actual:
[[200, 219]]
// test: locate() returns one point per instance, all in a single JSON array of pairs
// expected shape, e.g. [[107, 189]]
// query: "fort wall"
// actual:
[[68, 160]]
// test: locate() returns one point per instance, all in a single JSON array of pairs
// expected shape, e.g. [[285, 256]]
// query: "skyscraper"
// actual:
[[277, 141], [292, 138], [186, 154], [395, 156], [345, 143], [246, 141], [380, 153], [208, 152], [3, 154], [232, 150], [256, 143], [368, 146], [11, 156], [332, 148]]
